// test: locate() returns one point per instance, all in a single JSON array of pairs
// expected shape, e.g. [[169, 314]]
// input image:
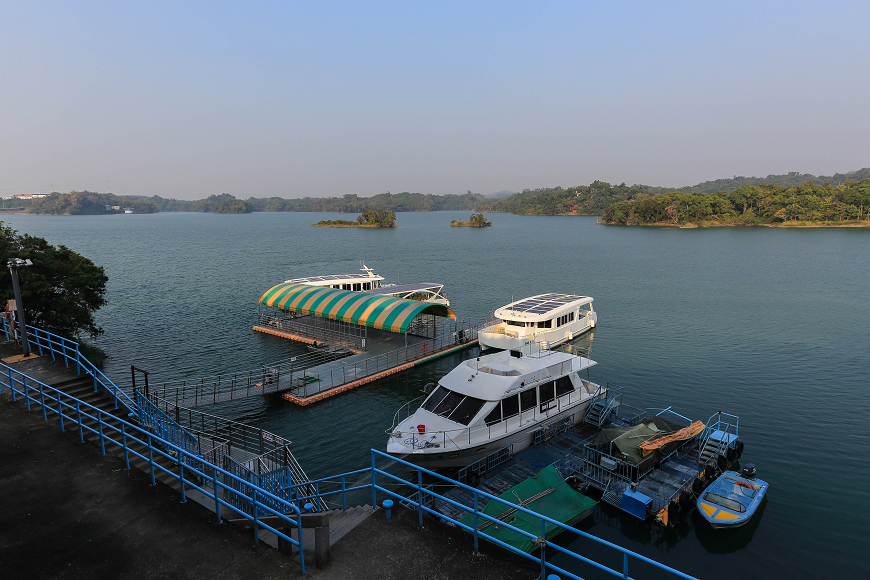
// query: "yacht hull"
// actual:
[[462, 455], [492, 338]]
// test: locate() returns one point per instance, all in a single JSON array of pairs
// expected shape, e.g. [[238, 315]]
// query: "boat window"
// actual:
[[510, 406], [548, 392], [435, 398], [448, 404], [571, 317], [722, 501], [563, 386], [357, 287], [494, 415], [367, 286], [528, 399], [545, 324], [466, 410], [514, 323], [345, 286]]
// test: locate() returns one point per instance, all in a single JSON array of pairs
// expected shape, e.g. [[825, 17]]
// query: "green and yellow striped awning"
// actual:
[[383, 312]]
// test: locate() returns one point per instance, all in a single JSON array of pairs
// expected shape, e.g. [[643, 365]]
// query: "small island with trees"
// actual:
[[370, 218], [477, 220]]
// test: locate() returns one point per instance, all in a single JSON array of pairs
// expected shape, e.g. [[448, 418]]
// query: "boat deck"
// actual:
[[569, 454]]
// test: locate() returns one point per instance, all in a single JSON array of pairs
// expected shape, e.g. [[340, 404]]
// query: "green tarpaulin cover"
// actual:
[[626, 440], [564, 505]]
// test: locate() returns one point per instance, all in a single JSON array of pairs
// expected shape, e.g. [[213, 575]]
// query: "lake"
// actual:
[[769, 324]]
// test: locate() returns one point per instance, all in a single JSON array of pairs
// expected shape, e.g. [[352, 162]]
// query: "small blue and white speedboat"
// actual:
[[731, 500]]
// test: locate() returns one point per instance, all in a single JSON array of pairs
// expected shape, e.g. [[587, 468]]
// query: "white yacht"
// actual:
[[371, 283], [549, 319], [488, 403]]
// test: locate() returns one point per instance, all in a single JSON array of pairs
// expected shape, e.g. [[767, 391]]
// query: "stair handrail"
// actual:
[[40, 339]]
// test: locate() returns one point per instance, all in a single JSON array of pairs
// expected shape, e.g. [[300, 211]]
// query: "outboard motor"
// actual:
[[749, 471]]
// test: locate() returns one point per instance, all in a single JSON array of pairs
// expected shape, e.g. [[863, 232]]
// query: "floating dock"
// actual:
[[663, 489]]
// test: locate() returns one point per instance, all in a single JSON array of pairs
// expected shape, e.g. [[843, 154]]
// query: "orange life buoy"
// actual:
[[425, 346]]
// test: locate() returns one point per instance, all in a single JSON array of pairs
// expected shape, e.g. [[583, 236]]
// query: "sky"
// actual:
[[293, 99]]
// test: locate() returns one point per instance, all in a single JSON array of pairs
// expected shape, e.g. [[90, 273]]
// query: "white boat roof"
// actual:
[[541, 307], [333, 279], [405, 289], [492, 376]]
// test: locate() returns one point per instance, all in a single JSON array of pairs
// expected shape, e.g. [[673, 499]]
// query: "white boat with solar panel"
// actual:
[[486, 404], [549, 319], [371, 283]]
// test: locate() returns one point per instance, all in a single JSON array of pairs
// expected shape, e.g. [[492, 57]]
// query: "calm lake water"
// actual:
[[772, 325]]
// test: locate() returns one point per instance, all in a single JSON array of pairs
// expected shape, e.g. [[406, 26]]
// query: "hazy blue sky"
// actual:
[[187, 99]]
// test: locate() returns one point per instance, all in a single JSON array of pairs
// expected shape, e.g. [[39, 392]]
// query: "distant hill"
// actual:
[[785, 181], [499, 194]]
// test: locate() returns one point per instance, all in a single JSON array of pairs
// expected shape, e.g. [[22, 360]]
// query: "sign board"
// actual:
[[267, 436]]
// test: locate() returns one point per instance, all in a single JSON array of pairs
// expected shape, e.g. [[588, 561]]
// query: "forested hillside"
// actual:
[[750, 205]]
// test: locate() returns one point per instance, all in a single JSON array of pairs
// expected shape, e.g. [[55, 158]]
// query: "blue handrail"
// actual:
[[78, 412], [43, 340]]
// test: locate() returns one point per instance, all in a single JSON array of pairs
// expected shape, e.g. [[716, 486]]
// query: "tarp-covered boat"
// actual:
[[547, 494]]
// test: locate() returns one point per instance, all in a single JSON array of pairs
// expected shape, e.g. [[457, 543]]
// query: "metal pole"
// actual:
[[22, 325]]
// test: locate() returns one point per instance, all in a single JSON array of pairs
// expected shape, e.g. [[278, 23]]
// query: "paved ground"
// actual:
[[69, 512]]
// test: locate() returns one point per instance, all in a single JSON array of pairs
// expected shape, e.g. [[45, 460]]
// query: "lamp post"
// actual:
[[14, 264]]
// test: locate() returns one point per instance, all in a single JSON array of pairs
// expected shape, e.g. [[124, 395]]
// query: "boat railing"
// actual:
[[480, 433], [406, 411], [725, 423]]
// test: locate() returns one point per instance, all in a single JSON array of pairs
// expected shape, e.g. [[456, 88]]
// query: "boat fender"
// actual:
[[709, 473], [731, 454], [721, 463], [474, 480], [739, 448], [673, 513], [697, 486], [685, 502]]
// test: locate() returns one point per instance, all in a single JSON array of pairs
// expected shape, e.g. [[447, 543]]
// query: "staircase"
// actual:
[[718, 442], [599, 411], [613, 493], [82, 388]]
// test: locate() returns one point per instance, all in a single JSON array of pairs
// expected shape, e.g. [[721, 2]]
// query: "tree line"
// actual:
[[749, 205]]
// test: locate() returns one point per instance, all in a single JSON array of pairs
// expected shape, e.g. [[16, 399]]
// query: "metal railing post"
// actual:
[[59, 409], [26, 395], [214, 487], [124, 442], [476, 512], [41, 397], [12, 387], [81, 429], [257, 522], [343, 495], [181, 476], [374, 491], [420, 497], [102, 440], [625, 565], [151, 459]]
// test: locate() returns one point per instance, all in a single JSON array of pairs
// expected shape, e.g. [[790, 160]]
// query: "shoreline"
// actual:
[[689, 226]]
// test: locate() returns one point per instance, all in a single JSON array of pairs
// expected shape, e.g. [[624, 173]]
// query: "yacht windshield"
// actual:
[[435, 398], [448, 404], [724, 502], [466, 410]]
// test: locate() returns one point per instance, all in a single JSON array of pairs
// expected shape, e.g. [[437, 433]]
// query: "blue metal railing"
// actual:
[[160, 424], [112, 430], [425, 495], [42, 341]]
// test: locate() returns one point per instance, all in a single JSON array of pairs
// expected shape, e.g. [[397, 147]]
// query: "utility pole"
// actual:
[[14, 264]]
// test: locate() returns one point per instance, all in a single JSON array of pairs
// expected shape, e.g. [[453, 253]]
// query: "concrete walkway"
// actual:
[[70, 512]]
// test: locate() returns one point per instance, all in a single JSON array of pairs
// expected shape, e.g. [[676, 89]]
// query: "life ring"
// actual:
[[744, 484], [424, 347]]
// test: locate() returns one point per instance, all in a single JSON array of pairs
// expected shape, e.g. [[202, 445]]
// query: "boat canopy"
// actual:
[[382, 312]]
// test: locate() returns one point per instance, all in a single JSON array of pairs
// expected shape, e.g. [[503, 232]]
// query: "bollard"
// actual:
[[308, 507], [388, 504]]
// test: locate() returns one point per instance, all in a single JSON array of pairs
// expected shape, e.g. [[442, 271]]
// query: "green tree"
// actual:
[[61, 291]]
